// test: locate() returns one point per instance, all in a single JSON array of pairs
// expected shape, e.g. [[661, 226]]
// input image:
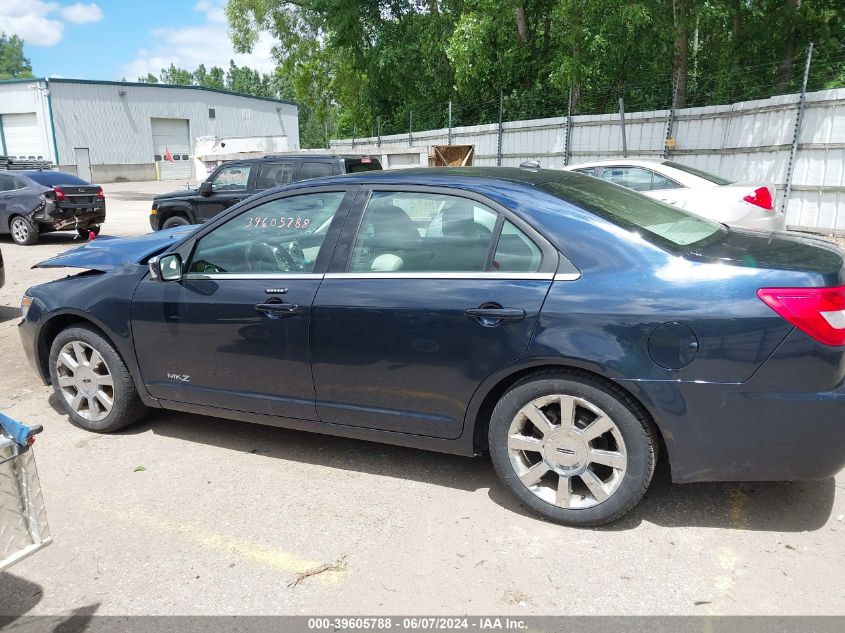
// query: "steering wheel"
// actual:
[[262, 257]]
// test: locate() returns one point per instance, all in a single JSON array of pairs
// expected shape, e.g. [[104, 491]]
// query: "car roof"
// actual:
[[273, 157], [466, 177]]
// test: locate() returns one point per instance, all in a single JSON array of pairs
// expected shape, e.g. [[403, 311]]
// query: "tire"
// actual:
[[95, 228], [608, 489], [23, 231], [89, 382], [175, 220]]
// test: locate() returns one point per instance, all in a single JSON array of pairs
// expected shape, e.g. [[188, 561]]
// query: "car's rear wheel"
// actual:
[[23, 231], [173, 221], [572, 448], [92, 381]]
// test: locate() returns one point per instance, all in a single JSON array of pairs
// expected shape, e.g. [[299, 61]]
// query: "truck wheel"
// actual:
[[23, 231], [173, 221], [572, 448], [92, 381]]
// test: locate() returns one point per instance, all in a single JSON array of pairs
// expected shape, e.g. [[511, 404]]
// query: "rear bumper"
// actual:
[[787, 423], [771, 221]]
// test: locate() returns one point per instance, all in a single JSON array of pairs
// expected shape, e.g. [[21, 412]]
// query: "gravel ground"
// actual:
[[185, 514]]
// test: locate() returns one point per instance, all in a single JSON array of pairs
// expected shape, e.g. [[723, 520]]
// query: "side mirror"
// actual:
[[166, 267], [206, 188]]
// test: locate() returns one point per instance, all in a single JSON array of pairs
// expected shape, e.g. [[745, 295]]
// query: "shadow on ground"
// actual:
[[778, 507], [18, 597], [7, 313]]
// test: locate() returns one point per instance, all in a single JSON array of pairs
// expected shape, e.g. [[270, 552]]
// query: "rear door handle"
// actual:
[[277, 310], [491, 316]]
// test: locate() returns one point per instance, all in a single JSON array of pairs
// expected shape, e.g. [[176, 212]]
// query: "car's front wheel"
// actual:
[[23, 231], [174, 221], [572, 448], [92, 381]]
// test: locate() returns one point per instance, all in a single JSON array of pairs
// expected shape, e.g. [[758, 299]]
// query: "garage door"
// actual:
[[23, 136], [171, 139]]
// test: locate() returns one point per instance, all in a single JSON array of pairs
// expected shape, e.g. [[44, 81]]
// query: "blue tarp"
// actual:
[[14, 429]]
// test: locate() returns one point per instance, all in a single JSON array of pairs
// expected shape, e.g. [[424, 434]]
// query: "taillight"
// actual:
[[60, 195], [100, 195], [820, 312], [762, 198]]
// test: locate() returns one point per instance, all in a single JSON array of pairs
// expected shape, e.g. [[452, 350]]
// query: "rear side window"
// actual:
[[423, 232], [717, 180], [315, 170], [366, 164], [7, 183], [273, 175], [516, 252], [660, 223]]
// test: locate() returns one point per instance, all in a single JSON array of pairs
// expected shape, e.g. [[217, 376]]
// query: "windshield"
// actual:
[[658, 222], [52, 178], [716, 180]]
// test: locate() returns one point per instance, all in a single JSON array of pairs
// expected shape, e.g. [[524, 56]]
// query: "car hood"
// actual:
[[181, 193], [107, 253]]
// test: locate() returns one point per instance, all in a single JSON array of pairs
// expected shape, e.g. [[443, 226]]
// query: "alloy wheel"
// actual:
[[567, 451], [20, 230], [85, 381]]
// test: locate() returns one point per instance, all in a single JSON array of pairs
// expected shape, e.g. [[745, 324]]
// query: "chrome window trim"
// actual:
[[252, 276], [567, 276], [444, 275], [420, 275]]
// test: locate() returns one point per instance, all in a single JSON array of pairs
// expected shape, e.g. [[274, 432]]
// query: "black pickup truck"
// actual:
[[234, 181]]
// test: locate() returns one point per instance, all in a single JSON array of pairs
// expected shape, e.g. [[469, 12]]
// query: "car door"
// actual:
[[233, 332], [229, 185], [410, 320]]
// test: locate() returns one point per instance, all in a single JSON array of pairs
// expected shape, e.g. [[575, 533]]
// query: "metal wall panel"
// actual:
[[20, 97], [113, 120], [746, 141]]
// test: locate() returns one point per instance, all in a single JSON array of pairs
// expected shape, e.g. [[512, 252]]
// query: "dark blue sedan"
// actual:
[[571, 328]]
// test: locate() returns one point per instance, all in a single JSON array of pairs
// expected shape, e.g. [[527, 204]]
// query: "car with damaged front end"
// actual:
[[569, 327], [34, 202]]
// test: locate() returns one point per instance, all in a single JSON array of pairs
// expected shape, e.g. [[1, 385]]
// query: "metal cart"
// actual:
[[23, 520]]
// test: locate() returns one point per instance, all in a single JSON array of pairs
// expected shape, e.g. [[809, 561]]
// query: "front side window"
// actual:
[[279, 236], [231, 178], [423, 232], [273, 175]]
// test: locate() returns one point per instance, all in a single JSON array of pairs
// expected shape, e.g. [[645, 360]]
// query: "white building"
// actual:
[[105, 131]]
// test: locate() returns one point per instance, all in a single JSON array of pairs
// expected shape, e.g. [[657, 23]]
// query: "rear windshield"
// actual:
[[359, 166], [658, 222], [716, 180], [52, 178]]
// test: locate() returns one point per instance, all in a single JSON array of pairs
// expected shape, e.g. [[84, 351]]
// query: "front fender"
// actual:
[[102, 300]]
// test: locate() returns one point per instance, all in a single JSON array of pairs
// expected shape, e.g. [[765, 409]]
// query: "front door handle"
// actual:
[[493, 316], [277, 310]]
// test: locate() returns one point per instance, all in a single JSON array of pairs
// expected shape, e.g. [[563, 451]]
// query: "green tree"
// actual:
[[13, 63]]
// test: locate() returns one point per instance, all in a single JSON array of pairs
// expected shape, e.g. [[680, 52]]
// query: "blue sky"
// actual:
[[111, 39]]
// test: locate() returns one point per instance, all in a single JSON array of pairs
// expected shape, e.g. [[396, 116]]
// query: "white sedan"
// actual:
[[749, 205]]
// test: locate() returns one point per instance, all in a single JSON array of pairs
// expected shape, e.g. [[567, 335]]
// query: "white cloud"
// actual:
[[41, 23], [29, 20], [189, 46], [80, 13]]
